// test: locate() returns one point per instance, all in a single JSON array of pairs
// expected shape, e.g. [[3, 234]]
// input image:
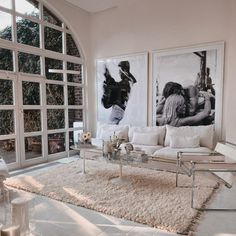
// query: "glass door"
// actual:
[[32, 125], [9, 141]]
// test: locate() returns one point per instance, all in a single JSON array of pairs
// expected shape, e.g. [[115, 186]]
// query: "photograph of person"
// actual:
[[185, 89], [120, 81]]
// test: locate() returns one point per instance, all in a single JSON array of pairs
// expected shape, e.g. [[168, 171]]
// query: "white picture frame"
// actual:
[[182, 66], [135, 112]]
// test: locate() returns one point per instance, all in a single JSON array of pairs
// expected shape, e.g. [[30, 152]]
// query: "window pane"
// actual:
[[53, 64], [27, 32], [7, 122], [31, 93], [33, 147], [29, 63], [71, 46], [50, 17], [5, 26], [72, 77], [28, 7], [55, 94], [6, 59], [56, 143], [75, 118], [32, 120], [6, 92], [56, 119], [6, 3], [53, 39], [73, 66], [7, 150], [75, 95]]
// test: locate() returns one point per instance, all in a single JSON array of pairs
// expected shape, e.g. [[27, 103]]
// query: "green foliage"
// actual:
[[28, 32], [6, 59], [6, 92], [55, 94], [7, 122], [31, 93], [6, 33], [53, 39], [56, 119], [29, 63]]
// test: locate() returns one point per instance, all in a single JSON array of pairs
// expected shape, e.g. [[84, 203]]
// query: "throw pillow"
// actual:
[[105, 131], [159, 130], [184, 142], [149, 139], [205, 132], [108, 134]]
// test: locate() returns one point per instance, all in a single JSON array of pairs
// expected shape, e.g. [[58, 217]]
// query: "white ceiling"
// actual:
[[93, 6]]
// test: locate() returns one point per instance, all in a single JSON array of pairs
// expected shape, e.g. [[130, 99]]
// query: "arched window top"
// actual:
[[29, 22]]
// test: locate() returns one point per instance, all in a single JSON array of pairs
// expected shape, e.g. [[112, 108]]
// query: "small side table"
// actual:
[[82, 149]]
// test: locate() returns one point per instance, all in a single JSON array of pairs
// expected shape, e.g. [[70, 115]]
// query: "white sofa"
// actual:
[[160, 141]]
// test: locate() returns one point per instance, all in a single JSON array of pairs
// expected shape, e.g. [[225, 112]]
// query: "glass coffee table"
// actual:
[[82, 149]]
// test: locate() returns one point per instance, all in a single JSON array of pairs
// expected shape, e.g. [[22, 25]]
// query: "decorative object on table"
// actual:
[[128, 148], [138, 156], [111, 148], [106, 148], [85, 139], [20, 214]]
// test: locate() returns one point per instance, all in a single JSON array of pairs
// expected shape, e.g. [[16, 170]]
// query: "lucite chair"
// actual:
[[221, 160]]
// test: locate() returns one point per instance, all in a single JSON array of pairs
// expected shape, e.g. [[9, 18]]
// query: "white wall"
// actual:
[[230, 80], [146, 25]]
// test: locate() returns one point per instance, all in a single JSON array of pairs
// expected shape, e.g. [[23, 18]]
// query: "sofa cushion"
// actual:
[[205, 132], [150, 139], [171, 153], [105, 131], [159, 130], [184, 141], [149, 150]]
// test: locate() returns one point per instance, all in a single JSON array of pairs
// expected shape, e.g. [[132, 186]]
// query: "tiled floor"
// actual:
[[53, 218]]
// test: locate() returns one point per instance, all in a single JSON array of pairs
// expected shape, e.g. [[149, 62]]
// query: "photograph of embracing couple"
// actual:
[[185, 88]]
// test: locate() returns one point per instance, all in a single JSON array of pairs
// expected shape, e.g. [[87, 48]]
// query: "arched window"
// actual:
[[41, 84]]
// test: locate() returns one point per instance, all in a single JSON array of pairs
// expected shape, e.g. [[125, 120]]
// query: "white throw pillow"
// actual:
[[159, 130], [108, 134], [149, 139], [205, 132], [105, 131], [184, 141]]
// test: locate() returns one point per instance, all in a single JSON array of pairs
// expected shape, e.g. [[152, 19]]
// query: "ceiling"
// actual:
[[93, 6]]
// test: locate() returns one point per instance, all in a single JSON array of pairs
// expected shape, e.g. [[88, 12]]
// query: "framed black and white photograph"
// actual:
[[188, 85], [122, 89]]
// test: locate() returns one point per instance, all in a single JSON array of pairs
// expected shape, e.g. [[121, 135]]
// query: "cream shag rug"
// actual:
[[150, 198]]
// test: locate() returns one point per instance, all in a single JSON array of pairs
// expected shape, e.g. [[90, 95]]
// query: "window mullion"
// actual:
[[41, 38], [14, 29], [14, 37], [41, 26]]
